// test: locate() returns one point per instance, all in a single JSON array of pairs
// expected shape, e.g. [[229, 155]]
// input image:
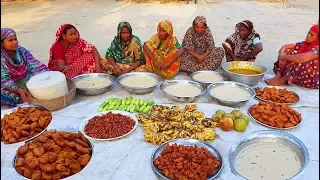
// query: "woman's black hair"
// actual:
[[67, 28]]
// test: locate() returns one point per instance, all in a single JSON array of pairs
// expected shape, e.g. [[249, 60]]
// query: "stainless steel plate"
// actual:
[[184, 99], [28, 106], [268, 125], [187, 142], [260, 88], [139, 90], [16, 156], [206, 83], [231, 84], [270, 136], [93, 91]]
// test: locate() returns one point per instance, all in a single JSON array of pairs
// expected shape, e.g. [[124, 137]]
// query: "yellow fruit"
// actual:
[[240, 124]]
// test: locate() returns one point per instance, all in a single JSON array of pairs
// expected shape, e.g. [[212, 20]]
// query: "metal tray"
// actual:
[[16, 156], [85, 122], [187, 142], [270, 136], [268, 125], [261, 87], [27, 106]]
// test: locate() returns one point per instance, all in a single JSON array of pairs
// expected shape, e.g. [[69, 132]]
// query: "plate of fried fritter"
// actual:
[[276, 95], [53, 155], [24, 123], [184, 158], [276, 116]]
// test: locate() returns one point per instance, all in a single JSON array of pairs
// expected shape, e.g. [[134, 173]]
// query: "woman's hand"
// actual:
[[117, 71], [282, 63], [24, 94], [99, 69], [66, 69]]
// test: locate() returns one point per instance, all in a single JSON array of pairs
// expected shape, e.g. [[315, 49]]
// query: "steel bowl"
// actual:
[[22, 177], [28, 106], [226, 102], [270, 136], [182, 99], [250, 80], [207, 83], [139, 90], [93, 91], [187, 142]]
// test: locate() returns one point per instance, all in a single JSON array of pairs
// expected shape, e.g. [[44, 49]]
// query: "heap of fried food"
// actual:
[[276, 115], [164, 123], [53, 155], [24, 124], [110, 125], [186, 162], [277, 95]]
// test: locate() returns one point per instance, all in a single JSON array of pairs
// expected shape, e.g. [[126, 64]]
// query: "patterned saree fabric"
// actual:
[[17, 70], [78, 55], [163, 51]]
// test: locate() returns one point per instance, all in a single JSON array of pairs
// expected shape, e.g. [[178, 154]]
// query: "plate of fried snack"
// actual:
[[273, 115], [109, 125], [53, 155], [184, 158], [165, 123], [276, 95], [24, 123]]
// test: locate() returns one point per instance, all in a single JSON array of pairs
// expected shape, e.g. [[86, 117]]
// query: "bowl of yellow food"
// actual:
[[245, 72]]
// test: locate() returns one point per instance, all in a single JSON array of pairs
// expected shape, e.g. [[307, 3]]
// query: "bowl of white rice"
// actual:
[[139, 82], [93, 84], [229, 93], [207, 77]]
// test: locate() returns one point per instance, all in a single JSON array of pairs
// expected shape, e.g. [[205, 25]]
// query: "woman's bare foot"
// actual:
[[276, 81]]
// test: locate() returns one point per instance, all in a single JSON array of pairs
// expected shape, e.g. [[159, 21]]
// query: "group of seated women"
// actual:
[[161, 54]]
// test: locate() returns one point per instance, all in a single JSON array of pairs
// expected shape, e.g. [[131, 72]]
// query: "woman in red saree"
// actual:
[[72, 55], [299, 63]]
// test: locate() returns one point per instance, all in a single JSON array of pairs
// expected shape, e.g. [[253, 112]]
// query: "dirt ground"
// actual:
[[37, 21]]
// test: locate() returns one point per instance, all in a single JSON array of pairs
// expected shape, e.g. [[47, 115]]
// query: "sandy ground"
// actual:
[[37, 21]]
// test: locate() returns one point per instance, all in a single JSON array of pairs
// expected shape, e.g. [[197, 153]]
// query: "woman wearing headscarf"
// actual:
[[125, 53], [17, 67], [72, 55], [163, 51], [200, 51], [244, 44], [299, 63]]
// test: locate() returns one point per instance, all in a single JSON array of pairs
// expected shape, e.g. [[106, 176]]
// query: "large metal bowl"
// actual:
[[28, 106], [183, 99], [278, 137], [250, 80], [187, 142], [139, 90], [93, 91], [231, 84], [207, 83]]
